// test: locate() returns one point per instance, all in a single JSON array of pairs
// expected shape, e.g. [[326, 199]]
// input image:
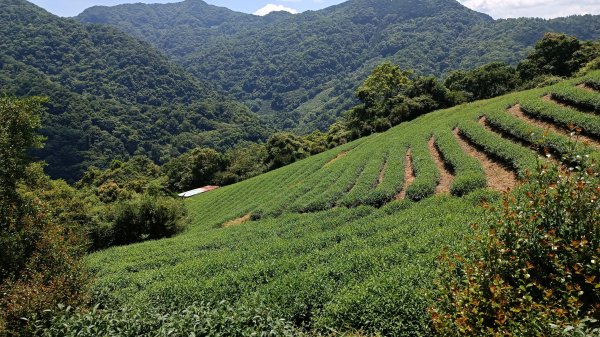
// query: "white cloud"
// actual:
[[274, 8], [533, 8]]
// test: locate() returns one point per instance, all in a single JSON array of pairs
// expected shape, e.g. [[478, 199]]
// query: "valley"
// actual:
[[374, 168]]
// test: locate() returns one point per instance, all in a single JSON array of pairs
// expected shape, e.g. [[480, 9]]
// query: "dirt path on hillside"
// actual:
[[382, 173], [338, 157], [409, 175], [586, 87], [516, 111], [549, 98], [498, 176], [446, 175], [238, 221]]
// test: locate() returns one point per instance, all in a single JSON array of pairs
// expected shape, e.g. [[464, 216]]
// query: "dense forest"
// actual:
[[110, 96], [302, 70]]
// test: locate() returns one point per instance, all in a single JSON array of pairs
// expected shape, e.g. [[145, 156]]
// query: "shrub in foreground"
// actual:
[[537, 271]]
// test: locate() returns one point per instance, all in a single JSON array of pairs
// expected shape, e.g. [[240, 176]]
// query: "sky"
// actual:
[[495, 8]]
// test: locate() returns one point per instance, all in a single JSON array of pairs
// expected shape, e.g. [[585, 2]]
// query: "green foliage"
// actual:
[[303, 69], [520, 158], [578, 97], [40, 240], [469, 175], [303, 254], [314, 270], [554, 54], [136, 175], [129, 202], [385, 83], [390, 96], [194, 169], [537, 137], [491, 80], [18, 133], [564, 116], [193, 320], [285, 148], [147, 218], [243, 162], [426, 173], [110, 96], [536, 271]]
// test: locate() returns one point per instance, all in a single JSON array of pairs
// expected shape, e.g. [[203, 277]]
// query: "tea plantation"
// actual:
[[347, 240]]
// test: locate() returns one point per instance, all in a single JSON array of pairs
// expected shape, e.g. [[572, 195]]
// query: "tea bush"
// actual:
[[536, 271], [198, 319]]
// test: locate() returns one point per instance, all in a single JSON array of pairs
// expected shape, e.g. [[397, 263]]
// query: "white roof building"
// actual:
[[197, 191]]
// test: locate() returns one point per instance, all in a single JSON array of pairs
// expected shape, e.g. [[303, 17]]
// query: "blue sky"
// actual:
[[495, 8], [74, 7]]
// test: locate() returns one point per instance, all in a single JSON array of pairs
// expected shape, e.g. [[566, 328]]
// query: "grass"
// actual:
[[328, 247]]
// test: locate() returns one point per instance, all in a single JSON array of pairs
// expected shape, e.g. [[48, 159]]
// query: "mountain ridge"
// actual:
[[111, 96], [301, 71]]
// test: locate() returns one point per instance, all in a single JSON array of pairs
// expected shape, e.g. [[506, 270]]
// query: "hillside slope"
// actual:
[[110, 95], [306, 241], [303, 69]]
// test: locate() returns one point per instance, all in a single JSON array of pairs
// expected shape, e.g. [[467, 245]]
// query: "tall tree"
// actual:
[[40, 263], [554, 54], [18, 134]]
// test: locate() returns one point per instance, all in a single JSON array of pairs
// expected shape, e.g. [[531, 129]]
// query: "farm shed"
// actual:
[[197, 191]]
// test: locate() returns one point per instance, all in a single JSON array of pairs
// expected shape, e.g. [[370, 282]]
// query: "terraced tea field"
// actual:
[[348, 239]]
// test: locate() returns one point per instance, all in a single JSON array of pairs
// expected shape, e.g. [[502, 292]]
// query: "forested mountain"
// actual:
[[110, 96], [304, 68]]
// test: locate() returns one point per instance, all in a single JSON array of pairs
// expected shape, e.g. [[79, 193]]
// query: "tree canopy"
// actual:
[[302, 70]]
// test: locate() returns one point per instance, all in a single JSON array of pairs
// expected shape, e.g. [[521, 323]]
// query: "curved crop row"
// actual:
[[393, 179], [534, 135], [590, 124], [366, 183], [469, 174], [341, 178], [578, 97], [426, 172], [283, 194], [592, 82], [520, 158]]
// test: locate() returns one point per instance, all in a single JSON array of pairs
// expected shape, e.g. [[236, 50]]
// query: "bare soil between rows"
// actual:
[[498, 176], [446, 175], [409, 175]]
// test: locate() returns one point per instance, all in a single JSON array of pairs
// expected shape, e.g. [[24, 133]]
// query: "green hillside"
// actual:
[[347, 239], [110, 95], [302, 70]]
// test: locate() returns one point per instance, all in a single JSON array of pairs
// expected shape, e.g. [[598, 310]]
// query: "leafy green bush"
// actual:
[[194, 320], [426, 172], [536, 272], [147, 218]]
